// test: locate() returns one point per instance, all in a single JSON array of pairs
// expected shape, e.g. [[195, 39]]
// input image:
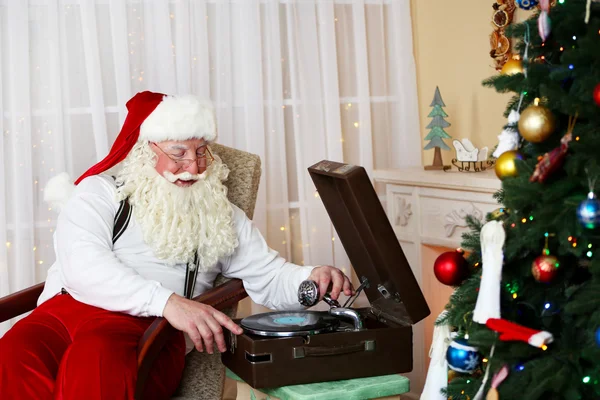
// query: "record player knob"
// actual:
[[308, 295]]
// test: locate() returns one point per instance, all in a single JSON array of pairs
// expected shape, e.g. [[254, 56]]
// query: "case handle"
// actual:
[[321, 351]]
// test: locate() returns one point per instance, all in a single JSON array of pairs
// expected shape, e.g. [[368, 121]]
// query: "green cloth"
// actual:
[[350, 389]]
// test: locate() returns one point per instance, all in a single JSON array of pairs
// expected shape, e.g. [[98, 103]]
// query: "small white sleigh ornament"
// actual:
[[469, 158]]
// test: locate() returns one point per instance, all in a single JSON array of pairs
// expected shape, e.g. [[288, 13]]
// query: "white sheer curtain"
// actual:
[[293, 81]]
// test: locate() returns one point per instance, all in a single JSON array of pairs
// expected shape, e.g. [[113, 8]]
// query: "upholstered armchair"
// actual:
[[204, 374]]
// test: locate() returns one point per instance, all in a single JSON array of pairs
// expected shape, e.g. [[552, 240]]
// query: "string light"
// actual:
[[40, 262], [544, 347], [514, 295], [520, 367], [571, 67], [586, 379], [282, 228], [574, 37], [356, 124], [547, 306], [589, 253], [8, 244]]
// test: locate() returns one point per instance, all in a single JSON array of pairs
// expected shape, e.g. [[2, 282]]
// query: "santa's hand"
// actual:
[[325, 275], [201, 322]]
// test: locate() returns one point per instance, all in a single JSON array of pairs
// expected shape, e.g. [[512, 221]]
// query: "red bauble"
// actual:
[[450, 268], [545, 268], [597, 95]]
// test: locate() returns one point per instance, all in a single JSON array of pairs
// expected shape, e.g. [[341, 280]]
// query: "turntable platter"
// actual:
[[298, 323]]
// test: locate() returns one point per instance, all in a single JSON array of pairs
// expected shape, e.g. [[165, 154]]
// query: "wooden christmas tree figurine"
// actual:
[[437, 133]]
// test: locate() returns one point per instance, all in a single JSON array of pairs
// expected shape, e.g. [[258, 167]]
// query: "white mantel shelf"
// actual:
[[425, 209], [485, 181]]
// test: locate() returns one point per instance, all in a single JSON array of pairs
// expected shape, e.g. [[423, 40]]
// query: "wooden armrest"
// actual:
[[20, 302], [157, 334]]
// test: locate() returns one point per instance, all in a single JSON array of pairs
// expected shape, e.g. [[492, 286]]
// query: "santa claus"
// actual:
[[115, 270]]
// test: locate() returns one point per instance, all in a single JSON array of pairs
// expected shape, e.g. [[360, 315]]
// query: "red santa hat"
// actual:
[[152, 117]]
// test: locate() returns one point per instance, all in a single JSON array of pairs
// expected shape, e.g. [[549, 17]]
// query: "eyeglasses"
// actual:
[[203, 160]]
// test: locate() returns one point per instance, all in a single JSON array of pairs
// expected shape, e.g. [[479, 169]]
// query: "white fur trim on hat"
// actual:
[[58, 191], [541, 338], [180, 118]]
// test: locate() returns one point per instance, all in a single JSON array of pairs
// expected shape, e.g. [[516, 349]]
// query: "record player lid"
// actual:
[[369, 239]]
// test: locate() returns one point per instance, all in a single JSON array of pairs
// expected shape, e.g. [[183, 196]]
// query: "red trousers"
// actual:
[[69, 350]]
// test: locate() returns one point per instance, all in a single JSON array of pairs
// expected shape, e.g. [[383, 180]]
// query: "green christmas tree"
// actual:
[[545, 212], [437, 133]]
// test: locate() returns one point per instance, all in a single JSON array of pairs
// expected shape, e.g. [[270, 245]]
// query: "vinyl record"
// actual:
[[289, 323]]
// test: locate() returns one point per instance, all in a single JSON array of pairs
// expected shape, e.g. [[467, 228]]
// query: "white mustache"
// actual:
[[184, 176]]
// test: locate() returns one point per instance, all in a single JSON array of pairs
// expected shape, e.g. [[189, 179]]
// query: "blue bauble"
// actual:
[[463, 357], [588, 212], [598, 337], [527, 4]]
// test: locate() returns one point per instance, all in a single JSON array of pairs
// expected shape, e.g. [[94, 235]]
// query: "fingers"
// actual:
[[207, 335], [217, 335], [348, 291], [195, 337], [226, 322], [324, 280], [337, 278]]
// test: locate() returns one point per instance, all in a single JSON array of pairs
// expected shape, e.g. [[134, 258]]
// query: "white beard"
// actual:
[[178, 221]]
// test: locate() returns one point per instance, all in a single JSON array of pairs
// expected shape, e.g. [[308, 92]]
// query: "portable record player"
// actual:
[[285, 348]]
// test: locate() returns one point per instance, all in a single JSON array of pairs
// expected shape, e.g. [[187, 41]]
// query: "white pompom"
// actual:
[[58, 191]]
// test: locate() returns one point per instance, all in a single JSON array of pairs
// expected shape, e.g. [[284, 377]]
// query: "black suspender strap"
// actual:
[[121, 219], [191, 274]]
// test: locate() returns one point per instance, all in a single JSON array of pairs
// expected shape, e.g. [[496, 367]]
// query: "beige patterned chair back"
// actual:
[[204, 374]]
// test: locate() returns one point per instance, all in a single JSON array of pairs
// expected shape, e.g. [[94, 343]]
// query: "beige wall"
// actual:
[[451, 44]]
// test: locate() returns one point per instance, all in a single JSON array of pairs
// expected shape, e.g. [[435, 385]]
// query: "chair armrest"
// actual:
[[20, 302], [157, 334]]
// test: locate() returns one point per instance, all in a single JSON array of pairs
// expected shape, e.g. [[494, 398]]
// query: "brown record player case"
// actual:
[[384, 346]]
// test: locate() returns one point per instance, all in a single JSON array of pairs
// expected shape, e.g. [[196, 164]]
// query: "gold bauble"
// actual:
[[505, 164], [536, 124], [512, 67]]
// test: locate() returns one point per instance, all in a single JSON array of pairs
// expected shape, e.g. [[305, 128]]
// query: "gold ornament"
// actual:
[[492, 394], [512, 67], [536, 124], [499, 213], [505, 164]]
